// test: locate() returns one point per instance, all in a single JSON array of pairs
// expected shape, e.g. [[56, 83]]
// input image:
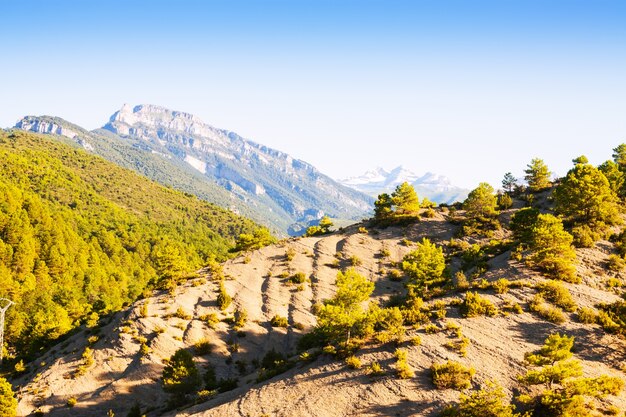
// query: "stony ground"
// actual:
[[258, 282]]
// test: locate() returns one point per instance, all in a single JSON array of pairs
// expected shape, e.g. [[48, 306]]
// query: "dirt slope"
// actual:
[[259, 284]]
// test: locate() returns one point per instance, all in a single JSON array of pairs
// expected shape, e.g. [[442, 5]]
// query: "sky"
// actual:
[[467, 89]]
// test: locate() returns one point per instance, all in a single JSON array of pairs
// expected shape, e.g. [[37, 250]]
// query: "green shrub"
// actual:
[[240, 318], [279, 321], [501, 286], [71, 402], [432, 329], [223, 299], [545, 311], [180, 375], [584, 236], [202, 347], [290, 254], [587, 315], [486, 402], [474, 305], [211, 320], [402, 366], [557, 294], [298, 278], [375, 368], [182, 314], [452, 375], [461, 280], [395, 275], [353, 362], [616, 263]]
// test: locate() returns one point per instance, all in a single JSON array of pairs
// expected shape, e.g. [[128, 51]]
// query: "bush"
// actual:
[[402, 367], [486, 402], [290, 254], [202, 347], [298, 278], [587, 315], [223, 299], [616, 263], [182, 314], [452, 375], [547, 312], [210, 320], [240, 318], [584, 236], [180, 375], [501, 286], [474, 305], [461, 281], [279, 321], [353, 362], [395, 275], [557, 294], [375, 368], [71, 402]]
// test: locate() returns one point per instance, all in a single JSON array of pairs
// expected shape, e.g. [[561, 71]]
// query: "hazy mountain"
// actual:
[[436, 187], [180, 150]]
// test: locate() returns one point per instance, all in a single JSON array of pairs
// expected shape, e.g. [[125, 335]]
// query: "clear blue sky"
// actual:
[[468, 89]]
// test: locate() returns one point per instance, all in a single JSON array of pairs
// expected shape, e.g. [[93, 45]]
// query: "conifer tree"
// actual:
[[405, 200], [551, 248], [423, 265], [383, 207], [481, 202], [537, 175], [614, 176], [342, 316], [585, 197], [509, 182]]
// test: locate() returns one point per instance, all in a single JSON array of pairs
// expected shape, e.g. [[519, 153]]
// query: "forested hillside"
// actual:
[[81, 237]]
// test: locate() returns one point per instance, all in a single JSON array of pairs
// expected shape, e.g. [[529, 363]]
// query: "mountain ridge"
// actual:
[[265, 184]]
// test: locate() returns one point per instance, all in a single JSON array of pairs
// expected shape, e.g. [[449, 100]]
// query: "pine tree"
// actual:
[[424, 265], [383, 207], [585, 197], [342, 316], [481, 202], [537, 175], [551, 248], [615, 177], [405, 200], [509, 182], [180, 375]]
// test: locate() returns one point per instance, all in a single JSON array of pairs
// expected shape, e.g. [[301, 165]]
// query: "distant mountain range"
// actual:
[[180, 150], [435, 187]]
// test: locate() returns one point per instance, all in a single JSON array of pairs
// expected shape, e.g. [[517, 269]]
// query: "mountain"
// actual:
[[252, 359], [81, 237], [435, 187], [180, 150]]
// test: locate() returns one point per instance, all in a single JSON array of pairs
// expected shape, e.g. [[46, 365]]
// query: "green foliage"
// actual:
[[509, 182], [537, 175], [548, 312], [353, 362], [523, 222], [387, 323], [566, 393], [551, 249], [8, 403], [180, 375], [210, 320], [614, 176], [182, 314], [613, 317], [587, 315], [425, 265], [343, 316], [452, 375], [585, 197], [251, 241], [402, 365], [501, 286], [486, 402], [81, 238], [481, 202], [273, 363], [383, 207], [279, 321], [504, 201], [405, 200], [240, 318], [321, 229], [474, 305], [557, 294], [223, 299]]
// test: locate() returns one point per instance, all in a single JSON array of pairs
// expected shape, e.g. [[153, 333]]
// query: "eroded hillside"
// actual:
[[127, 355]]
